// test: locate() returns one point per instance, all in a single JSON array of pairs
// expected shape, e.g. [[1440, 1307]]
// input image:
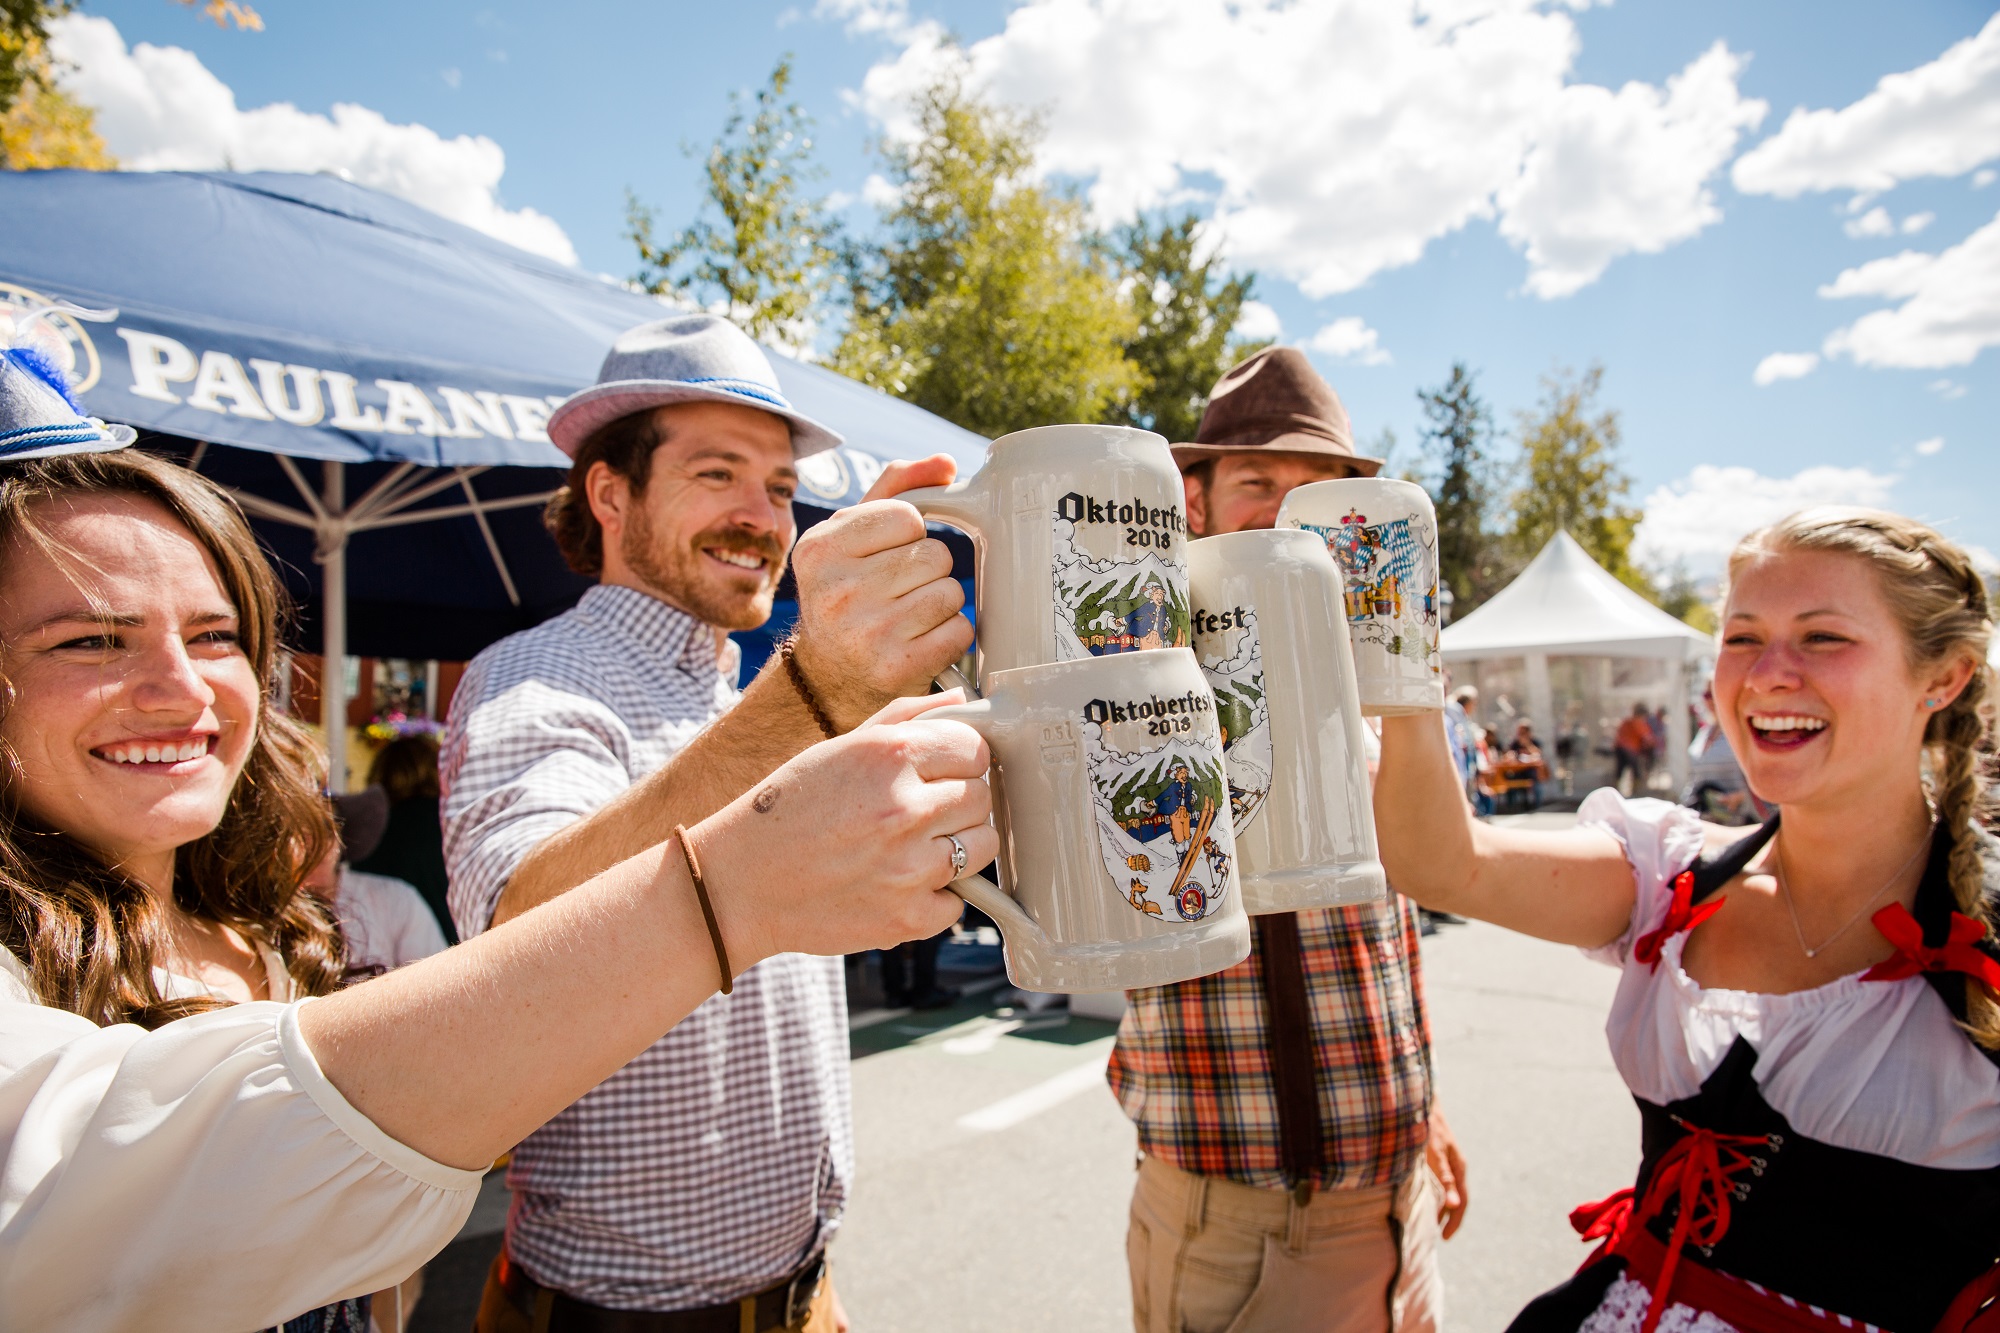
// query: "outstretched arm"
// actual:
[[1573, 886], [843, 849], [878, 619]]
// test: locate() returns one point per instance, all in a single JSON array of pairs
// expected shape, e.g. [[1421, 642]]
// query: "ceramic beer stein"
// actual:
[[1382, 535], [1270, 634], [1080, 540], [1117, 857]]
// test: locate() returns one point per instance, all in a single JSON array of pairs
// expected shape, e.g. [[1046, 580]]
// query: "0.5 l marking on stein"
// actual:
[[1058, 745]]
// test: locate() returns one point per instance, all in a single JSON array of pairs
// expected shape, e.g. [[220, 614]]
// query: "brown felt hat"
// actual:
[[1275, 403]]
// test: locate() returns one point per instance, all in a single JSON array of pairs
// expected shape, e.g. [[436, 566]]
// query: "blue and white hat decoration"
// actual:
[[39, 415], [688, 358]]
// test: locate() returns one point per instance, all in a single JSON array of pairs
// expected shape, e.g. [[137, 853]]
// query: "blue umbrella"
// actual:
[[414, 361]]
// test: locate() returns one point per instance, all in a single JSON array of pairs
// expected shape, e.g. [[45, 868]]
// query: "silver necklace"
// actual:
[[1785, 888]]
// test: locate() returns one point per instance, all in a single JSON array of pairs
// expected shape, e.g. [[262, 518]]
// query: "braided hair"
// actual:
[[1940, 600]]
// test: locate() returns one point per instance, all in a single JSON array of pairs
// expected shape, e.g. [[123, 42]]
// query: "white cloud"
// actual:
[[1934, 445], [1784, 366], [1331, 141], [1698, 520], [1947, 389], [1940, 119], [878, 191], [1350, 339], [1950, 305], [1875, 222], [1916, 222], [1614, 173], [160, 109], [1258, 322], [1983, 178], [452, 77], [889, 18]]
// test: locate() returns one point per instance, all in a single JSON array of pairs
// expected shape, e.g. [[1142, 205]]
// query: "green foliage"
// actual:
[[768, 262], [1186, 310], [986, 301], [1684, 599], [1464, 485], [24, 36], [1571, 481]]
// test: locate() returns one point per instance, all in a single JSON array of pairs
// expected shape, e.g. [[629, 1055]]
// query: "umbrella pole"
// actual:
[[333, 631]]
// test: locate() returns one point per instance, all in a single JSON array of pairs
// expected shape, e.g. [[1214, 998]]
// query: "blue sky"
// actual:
[[1412, 186]]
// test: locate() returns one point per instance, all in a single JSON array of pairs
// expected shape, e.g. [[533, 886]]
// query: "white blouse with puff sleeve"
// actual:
[[202, 1177]]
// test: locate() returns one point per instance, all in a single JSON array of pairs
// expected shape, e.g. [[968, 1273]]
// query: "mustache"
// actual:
[[736, 541]]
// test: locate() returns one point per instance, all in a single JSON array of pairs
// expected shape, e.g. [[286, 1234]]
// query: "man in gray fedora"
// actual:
[[1284, 1105], [697, 1188]]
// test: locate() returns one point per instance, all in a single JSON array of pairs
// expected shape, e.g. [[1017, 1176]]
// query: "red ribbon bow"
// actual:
[[1682, 915], [1959, 953]]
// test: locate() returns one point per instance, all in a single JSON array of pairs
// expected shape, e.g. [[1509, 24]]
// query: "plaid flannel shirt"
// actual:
[[1192, 1066]]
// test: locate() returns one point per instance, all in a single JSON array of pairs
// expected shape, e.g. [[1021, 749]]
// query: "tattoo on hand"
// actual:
[[764, 800]]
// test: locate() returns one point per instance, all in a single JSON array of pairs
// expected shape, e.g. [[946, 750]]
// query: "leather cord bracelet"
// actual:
[[707, 908], [798, 677]]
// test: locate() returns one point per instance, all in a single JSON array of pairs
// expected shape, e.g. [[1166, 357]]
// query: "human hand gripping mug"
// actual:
[[1382, 535], [1270, 634], [1080, 538], [1117, 854]]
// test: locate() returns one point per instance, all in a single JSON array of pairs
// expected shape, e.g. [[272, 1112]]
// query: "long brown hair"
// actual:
[[1940, 601], [90, 935]]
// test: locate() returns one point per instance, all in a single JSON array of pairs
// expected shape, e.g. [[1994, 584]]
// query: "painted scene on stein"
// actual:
[[1162, 823], [1389, 572], [1120, 586], [1226, 643]]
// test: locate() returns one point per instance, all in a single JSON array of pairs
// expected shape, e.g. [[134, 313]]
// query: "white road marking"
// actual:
[[1011, 1111], [981, 1039]]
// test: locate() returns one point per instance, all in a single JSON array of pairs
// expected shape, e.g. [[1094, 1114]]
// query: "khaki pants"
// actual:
[[1212, 1256], [497, 1314]]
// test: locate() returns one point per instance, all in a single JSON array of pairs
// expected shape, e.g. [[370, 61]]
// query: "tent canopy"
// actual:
[[1565, 603], [309, 316]]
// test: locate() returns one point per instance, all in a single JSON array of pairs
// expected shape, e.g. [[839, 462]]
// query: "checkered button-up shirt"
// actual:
[[717, 1162], [1192, 1066]]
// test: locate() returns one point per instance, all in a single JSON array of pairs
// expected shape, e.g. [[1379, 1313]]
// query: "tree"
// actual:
[[40, 125], [45, 127], [1457, 438], [985, 301], [24, 45], [767, 265], [1571, 481], [1686, 600], [1186, 315]]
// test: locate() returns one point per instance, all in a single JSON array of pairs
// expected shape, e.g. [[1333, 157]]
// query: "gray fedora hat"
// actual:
[[684, 359]]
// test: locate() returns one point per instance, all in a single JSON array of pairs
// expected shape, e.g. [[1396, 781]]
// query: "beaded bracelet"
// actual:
[[785, 650]]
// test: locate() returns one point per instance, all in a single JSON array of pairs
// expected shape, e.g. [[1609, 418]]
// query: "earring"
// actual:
[[1933, 703]]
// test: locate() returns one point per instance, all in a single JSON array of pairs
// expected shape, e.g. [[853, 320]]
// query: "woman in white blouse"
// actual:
[[187, 1141], [1806, 1014]]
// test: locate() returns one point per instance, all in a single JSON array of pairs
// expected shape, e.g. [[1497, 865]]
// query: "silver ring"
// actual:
[[957, 856]]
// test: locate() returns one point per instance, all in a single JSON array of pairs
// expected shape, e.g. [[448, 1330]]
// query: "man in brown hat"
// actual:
[[1293, 1177]]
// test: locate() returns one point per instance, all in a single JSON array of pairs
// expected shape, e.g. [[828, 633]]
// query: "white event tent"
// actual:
[[1570, 647]]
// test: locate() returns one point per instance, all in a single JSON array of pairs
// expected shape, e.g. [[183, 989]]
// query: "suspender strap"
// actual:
[[1712, 875], [1301, 1145]]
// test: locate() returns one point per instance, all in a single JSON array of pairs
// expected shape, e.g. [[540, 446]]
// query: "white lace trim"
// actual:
[[1623, 1310]]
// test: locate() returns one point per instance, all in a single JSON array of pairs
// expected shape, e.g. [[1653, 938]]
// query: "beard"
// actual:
[[683, 576]]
